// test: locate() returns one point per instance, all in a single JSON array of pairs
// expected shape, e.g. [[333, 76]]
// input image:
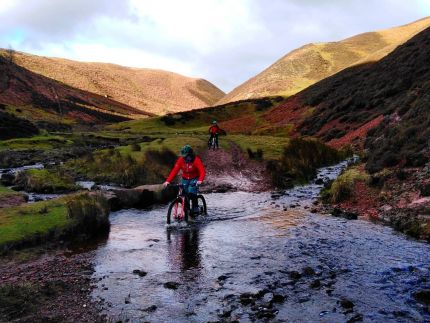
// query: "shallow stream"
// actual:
[[259, 256]]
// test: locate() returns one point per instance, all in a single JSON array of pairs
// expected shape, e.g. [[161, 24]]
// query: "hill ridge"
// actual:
[[153, 91], [313, 62]]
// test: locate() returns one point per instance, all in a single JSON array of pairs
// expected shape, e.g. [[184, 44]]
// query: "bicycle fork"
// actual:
[[182, 214]]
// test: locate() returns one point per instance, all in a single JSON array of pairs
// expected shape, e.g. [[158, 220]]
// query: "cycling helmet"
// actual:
[[186, 150], [213, 121]]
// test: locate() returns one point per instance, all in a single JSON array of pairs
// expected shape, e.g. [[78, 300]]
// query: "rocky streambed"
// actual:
[[260, 256]]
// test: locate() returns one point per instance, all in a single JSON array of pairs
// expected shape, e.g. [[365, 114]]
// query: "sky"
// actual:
[[223, 41]]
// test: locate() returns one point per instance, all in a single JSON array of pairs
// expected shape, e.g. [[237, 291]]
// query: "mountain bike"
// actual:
[[179, 208], [212, 143]]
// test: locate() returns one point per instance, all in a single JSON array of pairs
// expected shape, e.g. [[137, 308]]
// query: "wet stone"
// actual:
[[337, 212], [346, 303], [295, 275], [265, 313], [226, 312], [222, 278], [140, 273], [268, 297], [150, 309], [319, 181], [422, 296], [315, 284], [246, 299], [261, 293], [356, 318], [171, 285], [278, 298], [308, 271], [304, 299]]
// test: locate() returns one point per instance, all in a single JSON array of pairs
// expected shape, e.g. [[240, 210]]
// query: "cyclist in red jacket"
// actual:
[[214, 131], [193, 174]]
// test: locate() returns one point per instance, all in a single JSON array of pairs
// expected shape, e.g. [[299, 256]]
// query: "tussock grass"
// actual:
[[342, 188], [45, 181], [126, 165]]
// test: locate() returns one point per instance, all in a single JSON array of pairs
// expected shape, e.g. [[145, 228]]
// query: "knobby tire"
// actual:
[[179, 203]]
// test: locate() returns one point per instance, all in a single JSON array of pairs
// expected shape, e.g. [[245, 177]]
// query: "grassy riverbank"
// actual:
[[73, 217]]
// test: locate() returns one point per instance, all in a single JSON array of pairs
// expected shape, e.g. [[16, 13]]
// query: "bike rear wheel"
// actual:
[[201, 198], [175, 211]]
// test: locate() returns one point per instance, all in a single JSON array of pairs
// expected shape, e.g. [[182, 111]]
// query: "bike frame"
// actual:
[[183, 212], [182, 196], [185, 201]]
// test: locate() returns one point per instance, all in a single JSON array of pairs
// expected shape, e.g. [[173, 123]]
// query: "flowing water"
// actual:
[[259, 256]]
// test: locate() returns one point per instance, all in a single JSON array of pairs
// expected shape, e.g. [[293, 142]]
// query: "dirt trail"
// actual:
[[233, 170]]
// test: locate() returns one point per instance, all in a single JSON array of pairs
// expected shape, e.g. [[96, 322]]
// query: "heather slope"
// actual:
[[148, 90], [386, 101], [30, 96], [314, 62]]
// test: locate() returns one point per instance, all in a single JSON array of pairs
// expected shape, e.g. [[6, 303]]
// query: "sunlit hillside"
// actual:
[[152, 91], [314, 62]]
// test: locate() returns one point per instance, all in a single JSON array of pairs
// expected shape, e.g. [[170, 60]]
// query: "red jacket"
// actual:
[[214, 129], [189, 170]]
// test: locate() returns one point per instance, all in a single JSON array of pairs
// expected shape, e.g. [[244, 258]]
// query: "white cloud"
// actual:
[[224, 41]]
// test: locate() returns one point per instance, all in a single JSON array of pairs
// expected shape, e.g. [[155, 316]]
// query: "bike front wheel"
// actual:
[[178, 211]]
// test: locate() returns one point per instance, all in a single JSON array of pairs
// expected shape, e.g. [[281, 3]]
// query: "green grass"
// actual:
[[171, 142], [44, 142], [5, 190], [8, 196], [36, 114], [198, 121], [18, 223], [68, 217], [45, 181], [272, 146]]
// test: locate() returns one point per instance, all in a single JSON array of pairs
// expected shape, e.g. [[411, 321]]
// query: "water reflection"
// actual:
[[183, 249]]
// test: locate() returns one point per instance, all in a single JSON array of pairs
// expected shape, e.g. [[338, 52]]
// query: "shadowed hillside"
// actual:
[[152, 91], [37, 98], [314, 62], [386, 101]]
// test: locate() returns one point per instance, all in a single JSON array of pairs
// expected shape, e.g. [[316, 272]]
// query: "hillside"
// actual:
[[314, 62], [152, 91], [25, 95], [386, 101]]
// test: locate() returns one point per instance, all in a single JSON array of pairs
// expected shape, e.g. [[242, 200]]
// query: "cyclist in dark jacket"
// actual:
[[214, 131]]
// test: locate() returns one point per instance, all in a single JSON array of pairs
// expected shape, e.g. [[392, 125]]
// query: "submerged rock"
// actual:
[[140, 273], [346, 303], [423, 296], [150, 309], [337, 212], [295, 275], [308, 271], [171, 285]]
